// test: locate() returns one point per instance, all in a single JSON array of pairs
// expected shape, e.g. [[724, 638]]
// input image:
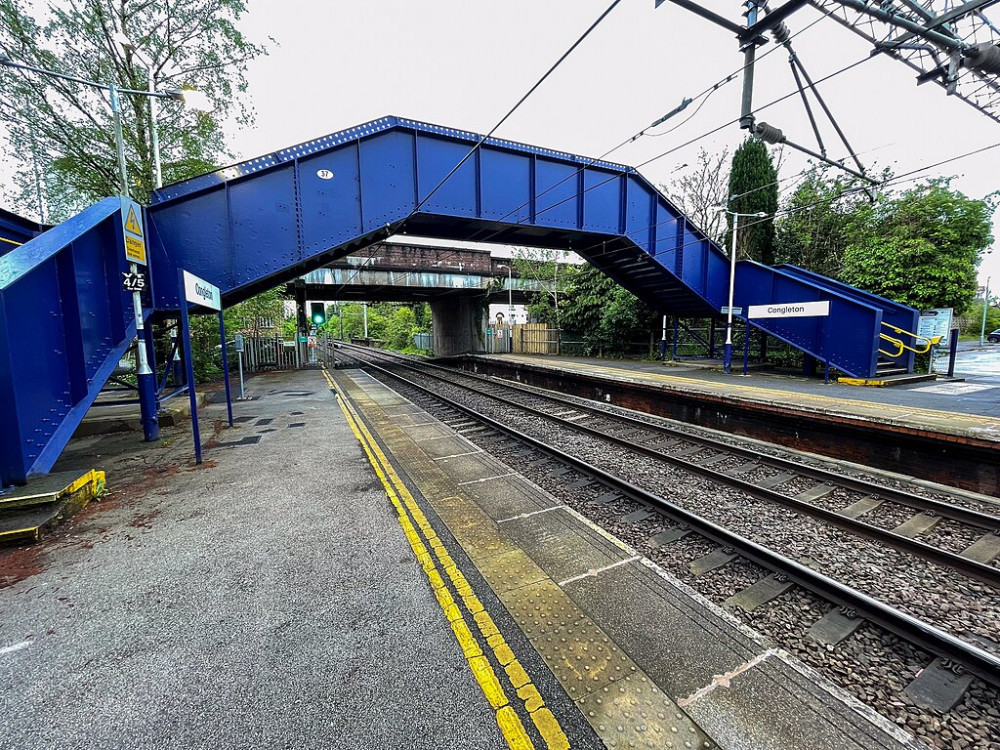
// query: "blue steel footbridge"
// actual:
[[65, 320]]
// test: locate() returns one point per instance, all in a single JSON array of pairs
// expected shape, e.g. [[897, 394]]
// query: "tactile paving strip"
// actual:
[[542, 608], [583, 658], [510, 570], [634, 713]]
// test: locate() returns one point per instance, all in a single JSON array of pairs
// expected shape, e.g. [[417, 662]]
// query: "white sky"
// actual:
[[464, 63]]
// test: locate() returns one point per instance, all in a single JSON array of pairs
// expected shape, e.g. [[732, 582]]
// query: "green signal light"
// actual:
[[318, 313]]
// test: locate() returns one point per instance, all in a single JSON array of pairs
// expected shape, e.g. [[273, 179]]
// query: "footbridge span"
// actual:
[[266, 221]]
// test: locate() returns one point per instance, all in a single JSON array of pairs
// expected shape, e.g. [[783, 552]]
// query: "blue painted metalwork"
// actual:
[[64, 324], [64, 320], [252, 225], [16, 230], [893, 313], [846, 339]]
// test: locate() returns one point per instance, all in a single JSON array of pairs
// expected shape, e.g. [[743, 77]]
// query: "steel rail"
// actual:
[[958, 513], [932, 639], [967, 567]]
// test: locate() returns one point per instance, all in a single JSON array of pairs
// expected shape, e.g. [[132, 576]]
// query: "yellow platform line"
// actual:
[[417, 529]]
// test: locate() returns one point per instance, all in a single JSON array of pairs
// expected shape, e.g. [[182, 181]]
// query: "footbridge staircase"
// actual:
[[65, 321]]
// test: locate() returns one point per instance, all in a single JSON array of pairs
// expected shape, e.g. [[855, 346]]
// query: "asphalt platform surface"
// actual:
[[265, 599]]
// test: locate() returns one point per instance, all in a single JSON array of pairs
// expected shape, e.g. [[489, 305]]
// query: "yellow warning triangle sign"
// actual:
[[132, 225]]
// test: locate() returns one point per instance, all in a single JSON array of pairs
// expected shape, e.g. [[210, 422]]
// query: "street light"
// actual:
[[191, 98], [145, 376], [986, 304], [727, 356]]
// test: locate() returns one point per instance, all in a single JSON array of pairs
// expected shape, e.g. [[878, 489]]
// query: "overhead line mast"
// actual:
[[959, 49]]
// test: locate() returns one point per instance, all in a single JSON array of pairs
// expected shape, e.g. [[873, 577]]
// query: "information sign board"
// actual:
[[935, 323], [200, 292], [790, 310]]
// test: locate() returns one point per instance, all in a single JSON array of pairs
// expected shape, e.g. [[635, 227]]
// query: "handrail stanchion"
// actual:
[[953, 350]]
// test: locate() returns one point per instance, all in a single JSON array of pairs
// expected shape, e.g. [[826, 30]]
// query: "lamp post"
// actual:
[[986, 305], [126, 46], [145, 376], [727, 355]]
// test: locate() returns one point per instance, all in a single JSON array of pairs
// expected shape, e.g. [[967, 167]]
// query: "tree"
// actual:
[[554, 275], [819, 223], [605, 315], [698, 192], [64, 130], [753, 188], [921, 248], [252, 316]]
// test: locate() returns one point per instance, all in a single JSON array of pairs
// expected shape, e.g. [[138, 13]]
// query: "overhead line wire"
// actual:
[[502, 120], [707, 91], [895, 180], [511, 111]]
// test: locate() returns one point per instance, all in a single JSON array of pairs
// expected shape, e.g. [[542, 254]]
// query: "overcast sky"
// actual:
[[464, 63]]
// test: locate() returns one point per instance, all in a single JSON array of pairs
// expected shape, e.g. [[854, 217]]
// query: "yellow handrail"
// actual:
[[929, 341], [900, 346]]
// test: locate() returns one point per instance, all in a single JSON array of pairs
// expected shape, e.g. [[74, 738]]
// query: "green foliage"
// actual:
[[392, 323], [753, 188], [399, 329], [549, 268], [264, 311], [819, 224], [62, 132], [921, 248], [972, 321], [606, 316]]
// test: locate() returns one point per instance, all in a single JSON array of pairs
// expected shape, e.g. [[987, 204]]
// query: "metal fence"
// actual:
[[529, 338], [270, 353]]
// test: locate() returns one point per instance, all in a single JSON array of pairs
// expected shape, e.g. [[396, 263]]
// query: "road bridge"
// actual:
[[394, 272]]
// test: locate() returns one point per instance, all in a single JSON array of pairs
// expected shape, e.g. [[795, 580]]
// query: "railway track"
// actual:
[[772, 479], [833, 497]]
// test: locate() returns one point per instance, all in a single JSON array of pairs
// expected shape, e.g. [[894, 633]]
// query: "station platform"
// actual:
[[969, 407], [345, 570], [941, 432]]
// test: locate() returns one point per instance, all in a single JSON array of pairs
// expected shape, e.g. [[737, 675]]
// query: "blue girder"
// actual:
[[64, 320], [64, 324]]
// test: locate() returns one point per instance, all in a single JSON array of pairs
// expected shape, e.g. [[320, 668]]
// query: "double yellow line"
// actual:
[[457, 600]]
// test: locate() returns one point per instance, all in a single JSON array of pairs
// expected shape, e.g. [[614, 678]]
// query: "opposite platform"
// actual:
[[948, 433]]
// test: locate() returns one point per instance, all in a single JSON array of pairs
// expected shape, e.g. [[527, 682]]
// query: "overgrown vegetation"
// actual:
[[61, 132]]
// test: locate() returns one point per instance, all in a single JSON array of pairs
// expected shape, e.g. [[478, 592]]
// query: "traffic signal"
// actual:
[[317, 313]]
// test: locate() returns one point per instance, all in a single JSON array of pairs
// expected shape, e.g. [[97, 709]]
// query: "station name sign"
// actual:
[[200, 292], [790, 310]]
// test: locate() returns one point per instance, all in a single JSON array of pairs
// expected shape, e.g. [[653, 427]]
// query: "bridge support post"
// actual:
[[149, 406], [457, 325]]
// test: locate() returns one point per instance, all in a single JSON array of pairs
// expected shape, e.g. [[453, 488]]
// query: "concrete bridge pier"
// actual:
[[457, 325]]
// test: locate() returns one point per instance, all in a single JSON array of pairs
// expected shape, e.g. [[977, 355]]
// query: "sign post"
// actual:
[[134, 242], [239, 345], [199, 292]]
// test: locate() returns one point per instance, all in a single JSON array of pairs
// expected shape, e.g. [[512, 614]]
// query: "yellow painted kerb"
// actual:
[[417, 529]]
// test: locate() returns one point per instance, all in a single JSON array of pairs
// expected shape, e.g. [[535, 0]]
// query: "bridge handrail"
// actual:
[[929, 341]]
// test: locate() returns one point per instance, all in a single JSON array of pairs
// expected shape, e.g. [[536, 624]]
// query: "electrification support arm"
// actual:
[[749, 55]]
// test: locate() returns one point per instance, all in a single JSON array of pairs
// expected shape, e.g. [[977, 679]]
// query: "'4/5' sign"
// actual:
[[133, 282]]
